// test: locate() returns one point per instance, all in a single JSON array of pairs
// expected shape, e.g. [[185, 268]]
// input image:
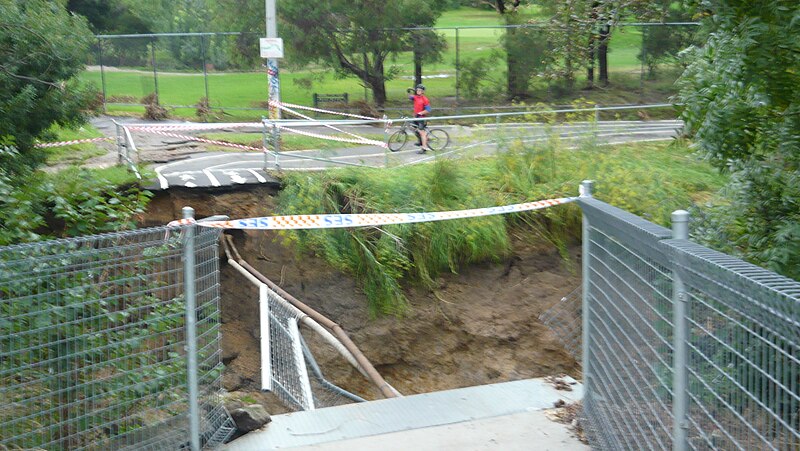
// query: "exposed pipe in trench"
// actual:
[[363, 363]]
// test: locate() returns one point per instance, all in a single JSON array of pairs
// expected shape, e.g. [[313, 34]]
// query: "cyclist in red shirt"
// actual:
[[422, 107]]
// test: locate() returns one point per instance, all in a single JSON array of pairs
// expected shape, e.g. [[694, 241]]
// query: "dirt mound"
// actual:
[[479, 326]]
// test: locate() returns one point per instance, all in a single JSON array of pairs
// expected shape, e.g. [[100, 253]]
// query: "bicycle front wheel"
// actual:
[[397, 140], [438, 139]]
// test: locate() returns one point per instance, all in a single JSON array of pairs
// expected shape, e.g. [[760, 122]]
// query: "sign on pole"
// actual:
[[271, 47]]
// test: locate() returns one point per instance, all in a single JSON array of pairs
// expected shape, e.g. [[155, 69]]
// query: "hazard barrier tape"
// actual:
[[257, 149], [208, 141], [320, 123], [194, 126], [318, 110], [336, 138], [74, 141], [363, 220]]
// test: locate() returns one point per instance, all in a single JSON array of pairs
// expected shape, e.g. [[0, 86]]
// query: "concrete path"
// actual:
[[506, 416], [182, 162], [213, 169]]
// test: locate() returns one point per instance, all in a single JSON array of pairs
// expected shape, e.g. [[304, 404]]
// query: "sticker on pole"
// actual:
[[271, 47]]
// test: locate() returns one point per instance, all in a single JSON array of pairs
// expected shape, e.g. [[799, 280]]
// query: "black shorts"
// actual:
[[420, 125]]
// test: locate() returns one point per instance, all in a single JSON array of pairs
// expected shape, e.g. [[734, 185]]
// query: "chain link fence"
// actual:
[[683, 347], [479, 68], [93, 343]]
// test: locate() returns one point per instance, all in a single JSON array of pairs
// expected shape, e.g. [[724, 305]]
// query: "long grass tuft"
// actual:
[[650, 180]]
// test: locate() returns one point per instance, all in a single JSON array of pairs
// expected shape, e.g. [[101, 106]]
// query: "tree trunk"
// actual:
[[590, 67], [517, 78], [592, 46], [417, 67], [379, 93], [602, 54], [377, 82]]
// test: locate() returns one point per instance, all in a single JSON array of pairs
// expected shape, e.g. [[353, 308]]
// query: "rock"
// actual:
[[228, 356], [232, 404], [250, 418], [231, 381]]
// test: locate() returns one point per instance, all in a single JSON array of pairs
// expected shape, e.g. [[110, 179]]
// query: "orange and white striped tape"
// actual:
[[363, 220], [209, 126], [336, 138], [309, 118], [318, 110], [74, 141]]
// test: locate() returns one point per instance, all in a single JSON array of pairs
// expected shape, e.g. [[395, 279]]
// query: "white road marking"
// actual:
[[211, 178], [161, 179], [258, 176], [235, 177]]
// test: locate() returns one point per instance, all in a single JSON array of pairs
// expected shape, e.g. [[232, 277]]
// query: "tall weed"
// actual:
[[650, 180]]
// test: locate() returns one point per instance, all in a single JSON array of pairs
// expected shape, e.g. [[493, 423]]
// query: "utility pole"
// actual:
[[272, 62]]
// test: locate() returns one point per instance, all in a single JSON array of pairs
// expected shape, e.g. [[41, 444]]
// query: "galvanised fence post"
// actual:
[[458, 69], [265, 141], [680, 375], [191, 330], [120, 143], [585, 191], [102, 71], [276, 143], [205, 68], [155, 70], [386, 150]]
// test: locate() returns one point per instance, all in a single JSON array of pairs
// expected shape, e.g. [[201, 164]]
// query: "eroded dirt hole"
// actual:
[[480, 326]]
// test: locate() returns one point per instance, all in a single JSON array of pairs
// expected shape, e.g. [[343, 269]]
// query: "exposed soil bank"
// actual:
[[480, 326]]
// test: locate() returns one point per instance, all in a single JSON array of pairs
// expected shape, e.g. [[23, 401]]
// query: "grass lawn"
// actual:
[[248, 90]]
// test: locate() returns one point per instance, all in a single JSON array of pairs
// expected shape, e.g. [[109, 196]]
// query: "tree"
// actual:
[[575, 22], [664, 43], [518, 59], [427, 46], [108, 16], [354, 37], [739, 100], [43, 48]]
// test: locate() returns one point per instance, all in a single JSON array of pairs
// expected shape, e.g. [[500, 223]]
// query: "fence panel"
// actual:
[[628, 378], [742, 343], [743, 352], [92, 343], [288, 380], [479, 68]]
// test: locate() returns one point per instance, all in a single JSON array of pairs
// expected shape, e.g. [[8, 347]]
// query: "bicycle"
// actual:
[[438, 139]]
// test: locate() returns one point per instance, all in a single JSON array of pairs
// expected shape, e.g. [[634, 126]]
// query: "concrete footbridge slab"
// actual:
[[505, 416]]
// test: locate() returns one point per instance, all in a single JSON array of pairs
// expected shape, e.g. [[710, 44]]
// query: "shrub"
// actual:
[[152, 109]]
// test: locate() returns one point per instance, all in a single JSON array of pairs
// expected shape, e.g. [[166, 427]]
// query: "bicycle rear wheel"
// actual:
[[397, 140], [438, 139]]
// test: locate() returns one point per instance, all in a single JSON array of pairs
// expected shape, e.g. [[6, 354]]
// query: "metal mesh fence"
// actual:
[[478, 65], [289, 377], [629, 349], [744, 352], [297, 379], [92, 343], [742, 338]]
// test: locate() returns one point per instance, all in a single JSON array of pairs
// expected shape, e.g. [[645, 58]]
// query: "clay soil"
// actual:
[[479, 326]]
